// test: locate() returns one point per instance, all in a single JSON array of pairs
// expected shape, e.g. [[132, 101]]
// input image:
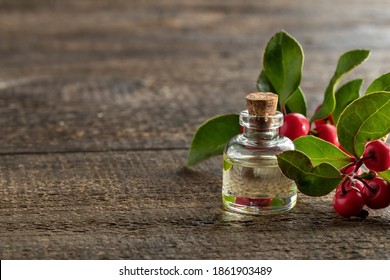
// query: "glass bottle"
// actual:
[[252, 181]]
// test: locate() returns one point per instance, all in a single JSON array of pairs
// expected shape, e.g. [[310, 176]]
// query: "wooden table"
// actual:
[[98, 104]]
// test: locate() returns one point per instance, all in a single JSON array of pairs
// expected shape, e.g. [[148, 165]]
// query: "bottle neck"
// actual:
[[261, 127], [267, 134]]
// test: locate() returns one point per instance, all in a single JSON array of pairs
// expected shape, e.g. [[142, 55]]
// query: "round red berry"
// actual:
[[348, 203], [328, 132], [295, 125], [378, 195], [376, 156]]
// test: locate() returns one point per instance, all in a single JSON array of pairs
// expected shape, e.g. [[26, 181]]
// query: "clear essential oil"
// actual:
[[252, 181]]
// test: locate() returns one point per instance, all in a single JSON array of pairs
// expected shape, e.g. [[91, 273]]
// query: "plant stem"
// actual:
[[366, 185], [283, 109], [348, 166], [359, 163], [343, 182], [367, 157]]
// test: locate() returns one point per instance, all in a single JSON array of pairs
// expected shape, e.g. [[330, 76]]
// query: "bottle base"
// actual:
[[258, 206]]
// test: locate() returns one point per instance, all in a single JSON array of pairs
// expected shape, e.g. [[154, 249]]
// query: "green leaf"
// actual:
[[346, 63], [385, 175], [367, 118], [311, 180], [345, 95], [211, 137], [283, 62], [380, 84], [263, 84], [296, 103], [320, 151]]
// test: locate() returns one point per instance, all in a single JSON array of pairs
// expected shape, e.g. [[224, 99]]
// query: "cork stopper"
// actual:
[[262, 103]]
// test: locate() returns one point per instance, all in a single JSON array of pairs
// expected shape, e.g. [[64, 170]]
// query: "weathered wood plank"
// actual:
[[54, 116], [80, 75], [144, 205], [178, 40]]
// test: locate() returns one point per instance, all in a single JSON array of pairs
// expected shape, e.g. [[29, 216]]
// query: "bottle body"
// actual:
[[252, 181]]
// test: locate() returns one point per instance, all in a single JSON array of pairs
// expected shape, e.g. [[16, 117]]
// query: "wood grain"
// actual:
[[63, 116], [145, 205], [79, 76], [98, 104]]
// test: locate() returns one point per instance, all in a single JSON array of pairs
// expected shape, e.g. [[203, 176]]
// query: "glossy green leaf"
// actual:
[[211, 137], [345, 95], [263, 84], [367, 118], [320, 151], [346, 63], [283, 62], [385, 175], [380, 84], [296, 103], [311, 180]]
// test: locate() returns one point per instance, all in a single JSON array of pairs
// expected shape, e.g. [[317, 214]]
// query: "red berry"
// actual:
[[349, 203], [328, 132], [295, 125], [376, 156], [378, 195]]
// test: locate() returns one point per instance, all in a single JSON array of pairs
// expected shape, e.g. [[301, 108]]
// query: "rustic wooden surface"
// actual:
[[98, 104]]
